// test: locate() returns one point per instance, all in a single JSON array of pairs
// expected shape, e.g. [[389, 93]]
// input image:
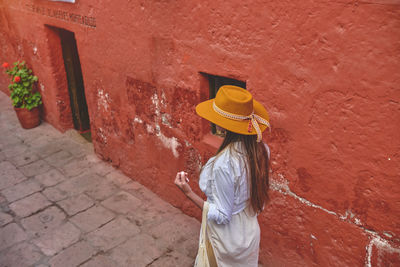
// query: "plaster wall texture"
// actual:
[[327, 71]]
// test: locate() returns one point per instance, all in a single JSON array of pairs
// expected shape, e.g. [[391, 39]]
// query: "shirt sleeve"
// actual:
[[221, 210]]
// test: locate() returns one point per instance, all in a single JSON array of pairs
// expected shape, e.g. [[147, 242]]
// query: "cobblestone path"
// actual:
[[60, 205]]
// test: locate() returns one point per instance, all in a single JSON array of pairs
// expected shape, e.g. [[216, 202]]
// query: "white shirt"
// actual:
[[224, 181]]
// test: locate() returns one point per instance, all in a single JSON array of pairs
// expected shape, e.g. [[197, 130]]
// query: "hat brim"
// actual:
[[205, 110]]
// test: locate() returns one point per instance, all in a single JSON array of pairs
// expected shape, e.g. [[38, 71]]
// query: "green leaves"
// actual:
[[21, 92], [35, 101]]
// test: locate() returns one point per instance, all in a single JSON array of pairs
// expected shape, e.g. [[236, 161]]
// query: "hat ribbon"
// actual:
[[254, 120]]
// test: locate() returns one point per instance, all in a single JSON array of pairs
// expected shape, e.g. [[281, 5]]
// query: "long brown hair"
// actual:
[[257, 167]]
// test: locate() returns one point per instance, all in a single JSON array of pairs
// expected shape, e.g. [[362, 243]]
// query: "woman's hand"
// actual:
[[181, 181]]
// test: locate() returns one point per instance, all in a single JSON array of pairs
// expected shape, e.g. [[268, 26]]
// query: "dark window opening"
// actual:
[[215, 83]]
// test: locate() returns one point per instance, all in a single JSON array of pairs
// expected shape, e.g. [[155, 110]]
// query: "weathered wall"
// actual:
[[327, 71]]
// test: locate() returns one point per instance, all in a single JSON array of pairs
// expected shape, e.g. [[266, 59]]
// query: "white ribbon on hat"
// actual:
[[254, 119]]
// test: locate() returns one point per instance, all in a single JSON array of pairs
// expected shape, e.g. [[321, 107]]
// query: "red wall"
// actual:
[[328, 72]]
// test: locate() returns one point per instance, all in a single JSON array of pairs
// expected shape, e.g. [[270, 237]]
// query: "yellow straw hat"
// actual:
[[234, 109]]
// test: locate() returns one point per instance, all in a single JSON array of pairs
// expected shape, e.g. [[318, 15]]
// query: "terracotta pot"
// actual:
[[28, 118]]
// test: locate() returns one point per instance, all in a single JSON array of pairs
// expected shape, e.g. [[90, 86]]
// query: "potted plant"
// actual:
[[24, 99]]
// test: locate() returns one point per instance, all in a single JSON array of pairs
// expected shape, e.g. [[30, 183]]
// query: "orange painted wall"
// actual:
[[327, 71]]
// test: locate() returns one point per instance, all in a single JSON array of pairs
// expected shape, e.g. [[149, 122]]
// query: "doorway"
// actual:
[[76, 89]]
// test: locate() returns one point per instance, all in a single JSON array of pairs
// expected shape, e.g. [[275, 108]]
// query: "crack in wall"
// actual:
[[281, 185], [284, 189], [379, 242]]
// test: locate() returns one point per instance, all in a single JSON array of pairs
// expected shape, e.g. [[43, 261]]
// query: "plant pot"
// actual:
[[28, 118]]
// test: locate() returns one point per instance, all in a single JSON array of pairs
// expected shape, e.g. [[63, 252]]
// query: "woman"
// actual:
[[235, 181]]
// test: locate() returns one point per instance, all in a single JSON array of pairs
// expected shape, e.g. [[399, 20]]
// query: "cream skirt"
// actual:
[[236, 243]]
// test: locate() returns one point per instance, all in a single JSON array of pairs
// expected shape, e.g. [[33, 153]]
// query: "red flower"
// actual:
[[17, 79], [6, 65]]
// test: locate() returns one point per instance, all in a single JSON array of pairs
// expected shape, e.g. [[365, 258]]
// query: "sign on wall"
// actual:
[[69, 1], [63, 15]]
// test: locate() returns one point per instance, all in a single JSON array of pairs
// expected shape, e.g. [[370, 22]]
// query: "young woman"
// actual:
[[235, 181]]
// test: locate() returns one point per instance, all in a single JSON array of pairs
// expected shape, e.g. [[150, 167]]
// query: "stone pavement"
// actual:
[[60, 205]]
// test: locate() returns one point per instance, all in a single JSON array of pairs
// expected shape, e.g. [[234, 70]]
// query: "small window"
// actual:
[[215, 83]]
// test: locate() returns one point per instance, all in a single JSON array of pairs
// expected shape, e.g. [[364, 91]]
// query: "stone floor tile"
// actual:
[[39, 135], [5, 218], [151, 199], [92, 158], [153, 211], [92, 218], [102, 190], [49, 130], [67, 143], [74, 137], [102, 168], [46, 220], [24, 158], [2, 199], [45, 148], [132, 188], [76, 204], [4, 205], [29, 205], [180, 232], [6, 166], [57, 239], [76, 167], [118, 178], [43, 139], [14, 150], [80, 184], [21, 190], [139, 250], [50, 178], [147, 217], [73, 256], [59, 159], [100, 261], [55, 194], [35, 168], [77, 149], [112, 234], [7, 132], [10, 235], [173, 258], [20, 255], [44, 131], [122, 202], [9, 138], [9, 175], [5, 208]]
